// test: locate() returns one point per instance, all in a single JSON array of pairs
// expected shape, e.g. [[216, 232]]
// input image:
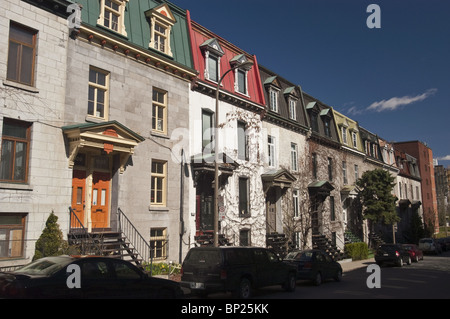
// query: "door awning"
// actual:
[[110, 136], [277, 178], [322, 188]]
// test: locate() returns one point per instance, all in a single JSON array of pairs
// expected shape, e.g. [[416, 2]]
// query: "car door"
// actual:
[[96, 279], [263, 269]]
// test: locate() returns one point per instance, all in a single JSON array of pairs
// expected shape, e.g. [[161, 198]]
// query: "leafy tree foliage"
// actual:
[[375, 194]]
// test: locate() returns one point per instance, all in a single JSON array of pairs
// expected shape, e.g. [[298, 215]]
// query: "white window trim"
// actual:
[[294, 157], [273, 106], [164, 21], [271, 159], [100, 87], [207, 75], [236, 81], [121, 23], [292, 109]]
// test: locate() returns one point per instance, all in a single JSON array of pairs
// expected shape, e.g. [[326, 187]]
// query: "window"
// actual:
[[158, 243], [292, 109], [112, 15], [330, 169], [244, 204], [158, 183], [213, 68], [295, 203], [98, 100], [355, 139], [244, 237], [356, 172], [294, 160], [400, 189], [12, 233], [241, 85], [159, 111], [314, 165], [271, 150], [273, 99], [15, 150], [21, 54], [207, 130], [161, 23], [332, 209], [242, 141], [344, 172], [326, 126], [314, 121], [344, 135]]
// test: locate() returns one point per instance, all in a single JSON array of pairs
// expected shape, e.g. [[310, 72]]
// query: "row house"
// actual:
[[225, 115], [424, 156], [90, 111]]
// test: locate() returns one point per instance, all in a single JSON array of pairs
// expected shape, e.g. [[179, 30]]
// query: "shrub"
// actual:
[[163, 268], [357, 251], [51, 242]]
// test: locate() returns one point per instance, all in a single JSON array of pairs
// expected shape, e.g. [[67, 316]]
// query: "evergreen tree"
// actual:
[[375, 194], [51, 242]]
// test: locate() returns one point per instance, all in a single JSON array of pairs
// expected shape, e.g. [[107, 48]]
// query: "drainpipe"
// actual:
[[181, 207]]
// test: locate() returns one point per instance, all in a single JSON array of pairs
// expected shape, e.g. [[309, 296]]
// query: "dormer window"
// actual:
[[161, 22], [112, 15], [212, 52], [240, 74]]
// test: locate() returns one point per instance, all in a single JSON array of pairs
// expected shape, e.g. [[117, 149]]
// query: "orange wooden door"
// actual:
[[100, 199], [78, 197]]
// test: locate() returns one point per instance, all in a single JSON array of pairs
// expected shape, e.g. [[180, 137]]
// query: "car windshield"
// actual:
[[44, 266]]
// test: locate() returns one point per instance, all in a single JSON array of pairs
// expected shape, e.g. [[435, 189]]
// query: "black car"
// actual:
[[84, 277], [234, 269], [314, 265], [392, 254]]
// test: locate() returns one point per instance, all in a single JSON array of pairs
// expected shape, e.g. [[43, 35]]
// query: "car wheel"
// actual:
[[318, 279], [408, 261], [416, 259], [291, 282], [338, 276], [244, 290], [400, 262]]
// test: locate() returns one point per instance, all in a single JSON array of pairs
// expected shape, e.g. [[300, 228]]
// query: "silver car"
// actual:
[[429, 245]]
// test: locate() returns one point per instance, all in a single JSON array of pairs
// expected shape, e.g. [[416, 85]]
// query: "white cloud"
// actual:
[[395, 102], [444, 158]]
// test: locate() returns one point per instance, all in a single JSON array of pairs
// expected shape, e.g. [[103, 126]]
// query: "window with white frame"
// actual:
[[295, 202], [344, 172], [273, 99], [294, 158], [112, 15], [292, 109], [344, 134], [159, 111], [241, 81], [356, 172], [355, 139], [161, 23], [271, 150], [98, 96]]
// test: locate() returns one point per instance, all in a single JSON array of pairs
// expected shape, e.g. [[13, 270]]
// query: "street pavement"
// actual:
[[349, 265]]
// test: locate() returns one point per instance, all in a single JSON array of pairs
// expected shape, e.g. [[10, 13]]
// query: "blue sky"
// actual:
[[394, 80]]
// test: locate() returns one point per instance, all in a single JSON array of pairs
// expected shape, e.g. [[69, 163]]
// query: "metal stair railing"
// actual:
[[140, 245], [77, 228]]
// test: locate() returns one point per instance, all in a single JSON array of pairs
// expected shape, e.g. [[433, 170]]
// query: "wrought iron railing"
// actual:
[[78, 231], [140, 245]]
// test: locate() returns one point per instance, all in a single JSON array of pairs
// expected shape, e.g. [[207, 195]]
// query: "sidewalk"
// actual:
[[348, 264]]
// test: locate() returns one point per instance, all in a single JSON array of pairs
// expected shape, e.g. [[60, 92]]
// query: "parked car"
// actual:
[[392, 254], [444, 243], [98, 277], [414, 251], [428, 245], [314, 265], [234, 269]]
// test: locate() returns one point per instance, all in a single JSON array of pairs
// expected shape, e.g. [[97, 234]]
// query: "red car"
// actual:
[[414, 251]]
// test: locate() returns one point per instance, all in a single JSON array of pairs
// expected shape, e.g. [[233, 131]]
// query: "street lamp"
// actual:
[[246, 65]]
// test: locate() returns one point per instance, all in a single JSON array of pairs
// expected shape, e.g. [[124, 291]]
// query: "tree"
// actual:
[[375, 195], [51, 242]]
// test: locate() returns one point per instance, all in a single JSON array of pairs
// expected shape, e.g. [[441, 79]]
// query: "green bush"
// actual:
[[163, 268], [51, 242], [357, 251]]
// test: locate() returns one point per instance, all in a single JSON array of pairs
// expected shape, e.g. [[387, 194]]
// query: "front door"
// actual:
[[271, 213], [100, 199], [78, 197]]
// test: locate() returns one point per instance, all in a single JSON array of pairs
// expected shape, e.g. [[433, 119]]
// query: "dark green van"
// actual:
[[234, 269]]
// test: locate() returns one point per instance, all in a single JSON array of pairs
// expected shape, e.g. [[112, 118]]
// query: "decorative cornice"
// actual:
[[127, 50]]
